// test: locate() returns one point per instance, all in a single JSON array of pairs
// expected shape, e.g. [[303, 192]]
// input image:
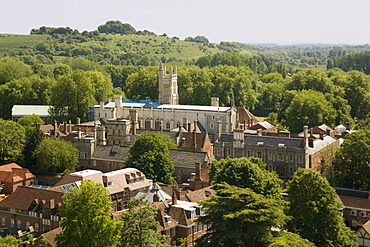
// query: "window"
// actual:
[[354, 222], [211, 125], [3, 221], [280, 157], [27, 225], [353, 212], [19, 223], [228, 152], [36, 227], [168, 232], [168, 125], [363, 214], [290, 157], [147, 124], [270, 156], [173, 232], [12, 223], [158, 125], [190, 231], [300, 159], [259, 155], [173, 243]]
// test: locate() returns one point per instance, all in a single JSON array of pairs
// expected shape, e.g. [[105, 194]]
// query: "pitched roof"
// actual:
[[50, 236], [27, 198], [185, 158], [110, 152], [12, 173], [187, 142], [354, 202], [201, 194], [262, 125], [23, 110]]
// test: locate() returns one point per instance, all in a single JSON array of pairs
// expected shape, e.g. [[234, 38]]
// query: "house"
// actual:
[[363, 232], [27, 207], [122, 184], [13, 175], [356, 205], [42, 111], [177, 219]]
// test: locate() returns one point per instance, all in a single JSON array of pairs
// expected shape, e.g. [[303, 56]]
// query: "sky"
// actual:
[[245, 21]]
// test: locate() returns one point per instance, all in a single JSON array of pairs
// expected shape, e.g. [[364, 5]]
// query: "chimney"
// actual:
[[180, 129], [259, 132], [133, 127], [215, 101], [195, 125], [118, 101], [189, 127], [155, 196], [197, 171], [328, 132], [174, 194], [55, 127], [65, 128], [185, 123], [78, 121], [305, 136], [194, 144], [79, 133], [245, 124]]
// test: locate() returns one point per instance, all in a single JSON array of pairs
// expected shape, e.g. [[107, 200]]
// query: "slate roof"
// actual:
[[262, 125], [185, 158], [188, 141], [24, 198], [108, 152]]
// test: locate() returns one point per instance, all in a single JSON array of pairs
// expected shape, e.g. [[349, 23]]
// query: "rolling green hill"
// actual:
[[11, 44]]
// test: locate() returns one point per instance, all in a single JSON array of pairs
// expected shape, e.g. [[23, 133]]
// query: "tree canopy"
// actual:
[[150, 154], [86, 218], [12, 140], [239, 217], [351, 161], [30, 121], [54, 156], [139, 226], [315, 211], [246, 173]]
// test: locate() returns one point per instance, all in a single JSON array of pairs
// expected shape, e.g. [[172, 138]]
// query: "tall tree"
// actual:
[[11, 69], [310, 108], [351, 161], [54, 156], [150, 154], [142, 85], [139, 226], [9, 241], [315, 211], [12, 137], [239, 217], [246, 173], [86, 218], [34, 137]]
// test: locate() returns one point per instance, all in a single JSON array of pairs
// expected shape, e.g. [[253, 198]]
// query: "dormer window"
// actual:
[[260, 143], [281, 145], [167, 218]]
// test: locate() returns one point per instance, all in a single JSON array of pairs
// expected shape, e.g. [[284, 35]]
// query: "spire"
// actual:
[[232, 99], [171, 70]]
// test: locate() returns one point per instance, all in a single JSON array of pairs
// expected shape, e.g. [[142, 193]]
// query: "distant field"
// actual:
[[10, 43]]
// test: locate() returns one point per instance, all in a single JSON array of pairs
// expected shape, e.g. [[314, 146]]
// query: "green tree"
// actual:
[[30, 121], [12, 137], [351, 161], [289, 239], [142, 85], [150, 154], [239, 217], [86, 218], [11, 69], [246, 173], [9, 241], [34, 137], [54, 156], [139, 226], [310, 108], [315, 211]]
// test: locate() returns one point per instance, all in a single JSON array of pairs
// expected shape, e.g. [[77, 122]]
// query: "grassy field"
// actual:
[[10, 43]]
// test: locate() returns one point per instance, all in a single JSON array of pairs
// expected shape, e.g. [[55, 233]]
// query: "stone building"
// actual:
[[167, 114], [282, 153]]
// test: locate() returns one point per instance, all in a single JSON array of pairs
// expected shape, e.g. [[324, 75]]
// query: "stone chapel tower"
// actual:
[[168, 92]]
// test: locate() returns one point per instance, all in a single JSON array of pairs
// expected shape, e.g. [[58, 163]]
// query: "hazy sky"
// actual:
[[246, 21]]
